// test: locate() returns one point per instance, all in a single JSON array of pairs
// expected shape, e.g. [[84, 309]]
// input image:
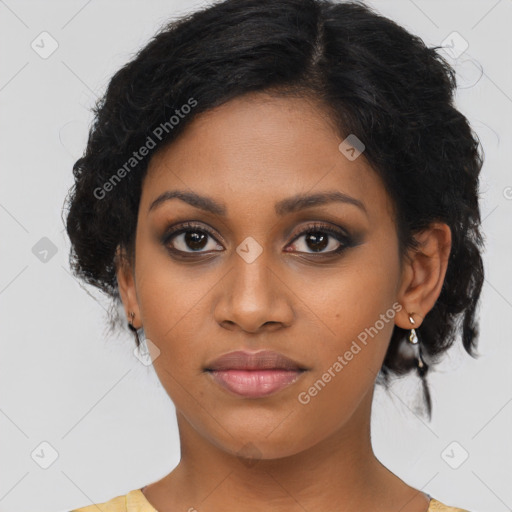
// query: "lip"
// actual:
[[261, 360], [254, 374], [255, 383]]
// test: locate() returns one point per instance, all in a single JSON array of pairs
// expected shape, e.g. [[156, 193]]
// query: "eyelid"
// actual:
[[322, 226], [340, 234]]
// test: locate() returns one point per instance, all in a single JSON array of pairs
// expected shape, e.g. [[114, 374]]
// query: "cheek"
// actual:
[[351, 296], [173, 309], [171, 298], [356, 308]]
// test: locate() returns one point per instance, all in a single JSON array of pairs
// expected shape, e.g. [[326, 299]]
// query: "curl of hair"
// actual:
[[373, 78]]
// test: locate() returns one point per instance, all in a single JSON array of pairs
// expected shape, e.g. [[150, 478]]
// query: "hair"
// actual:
[[373, 78]]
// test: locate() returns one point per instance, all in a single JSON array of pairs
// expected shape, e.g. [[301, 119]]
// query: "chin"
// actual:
[[252, 446]]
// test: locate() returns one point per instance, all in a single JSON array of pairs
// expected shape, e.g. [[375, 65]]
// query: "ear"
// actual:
[[125, 274], [423, 274]]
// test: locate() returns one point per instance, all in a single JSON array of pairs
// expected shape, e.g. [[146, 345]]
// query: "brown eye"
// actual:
[[191, 238], [317, 240], [319, 237]]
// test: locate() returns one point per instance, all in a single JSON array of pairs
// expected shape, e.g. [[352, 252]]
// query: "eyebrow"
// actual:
[[283, 207]]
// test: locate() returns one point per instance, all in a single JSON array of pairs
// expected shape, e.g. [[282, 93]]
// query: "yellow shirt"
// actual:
[[135, 501]]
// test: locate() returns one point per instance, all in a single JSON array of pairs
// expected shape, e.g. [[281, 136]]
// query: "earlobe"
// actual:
[[424, 272], [126, 284]]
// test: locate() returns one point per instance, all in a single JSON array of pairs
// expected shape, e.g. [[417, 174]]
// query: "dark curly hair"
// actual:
[[375, 79]]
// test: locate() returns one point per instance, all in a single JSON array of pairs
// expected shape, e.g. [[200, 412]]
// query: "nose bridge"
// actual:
[[252, 259], [251, 286], [253, 295]]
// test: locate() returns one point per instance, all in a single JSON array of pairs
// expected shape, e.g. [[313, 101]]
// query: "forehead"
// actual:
[[257, 149]]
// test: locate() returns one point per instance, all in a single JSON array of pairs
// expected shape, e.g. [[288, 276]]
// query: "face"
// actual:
[[317, 281]]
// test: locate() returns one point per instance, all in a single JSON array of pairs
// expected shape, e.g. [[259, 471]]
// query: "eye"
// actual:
[[321, 236], [190, 236]]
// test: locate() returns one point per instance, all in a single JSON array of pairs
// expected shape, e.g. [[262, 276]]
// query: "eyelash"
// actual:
[[344, 240]]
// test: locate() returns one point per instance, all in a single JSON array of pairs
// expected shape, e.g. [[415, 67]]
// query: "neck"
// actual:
[[339, 473]]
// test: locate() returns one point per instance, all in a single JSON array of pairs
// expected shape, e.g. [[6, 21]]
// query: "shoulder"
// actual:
[[134, 501], [117, 504], [437, 506]]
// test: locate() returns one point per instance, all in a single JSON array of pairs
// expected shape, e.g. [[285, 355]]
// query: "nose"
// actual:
[[253, 298]]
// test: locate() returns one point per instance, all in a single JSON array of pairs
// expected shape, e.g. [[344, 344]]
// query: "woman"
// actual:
[[285, 200]]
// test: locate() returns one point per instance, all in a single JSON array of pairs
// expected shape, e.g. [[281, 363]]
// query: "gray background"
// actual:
[[65, 382]]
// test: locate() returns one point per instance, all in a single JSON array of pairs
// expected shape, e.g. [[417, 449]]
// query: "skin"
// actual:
[[249, 154]]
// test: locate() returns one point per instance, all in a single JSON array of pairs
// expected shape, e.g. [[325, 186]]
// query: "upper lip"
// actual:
[[262, 360]]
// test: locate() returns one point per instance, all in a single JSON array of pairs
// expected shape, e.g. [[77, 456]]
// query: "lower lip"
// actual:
[[255, 383]]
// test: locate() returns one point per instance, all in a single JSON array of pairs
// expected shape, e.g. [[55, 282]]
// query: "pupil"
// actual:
[[318, 240], [195, 240]]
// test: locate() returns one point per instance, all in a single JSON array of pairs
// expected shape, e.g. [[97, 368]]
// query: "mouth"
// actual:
[[254, 374]]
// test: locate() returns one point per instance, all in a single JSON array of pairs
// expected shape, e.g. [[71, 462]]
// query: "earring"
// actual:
[[421, 367], [414, 340], [139, 333]]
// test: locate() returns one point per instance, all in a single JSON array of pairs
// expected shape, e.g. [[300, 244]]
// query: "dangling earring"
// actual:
[[142, 351], [413, 339], [421, 367], [137, 332]]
